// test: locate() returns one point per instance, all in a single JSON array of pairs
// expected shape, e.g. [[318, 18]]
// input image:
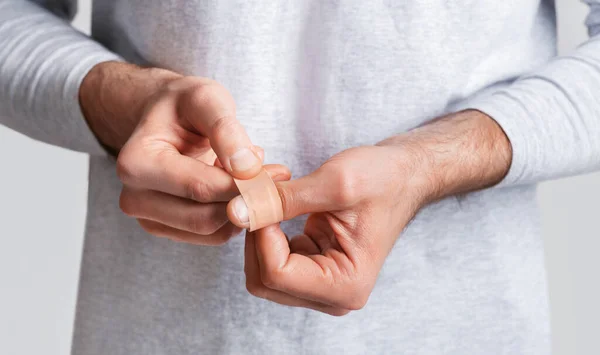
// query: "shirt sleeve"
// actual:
[[43, 60], [552, 116]]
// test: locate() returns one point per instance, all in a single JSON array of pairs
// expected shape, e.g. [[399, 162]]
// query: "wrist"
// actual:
[[457, 153], [113, 95]]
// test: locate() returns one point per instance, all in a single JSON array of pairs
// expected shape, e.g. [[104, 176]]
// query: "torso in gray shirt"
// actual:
[[311, 78]]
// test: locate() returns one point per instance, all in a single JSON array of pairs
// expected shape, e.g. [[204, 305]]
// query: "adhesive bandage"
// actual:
[[262, 200]]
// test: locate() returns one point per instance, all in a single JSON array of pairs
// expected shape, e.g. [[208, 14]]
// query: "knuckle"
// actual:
[[199, 92], [221, 239], [338, 312], [271, 278], [255, 288], [131, 169], [150, 228], [224, 126], [127, 167], [203, 91], [356, 300], [347, 192], [207, 226], [198, 191], [211, 226], [286, 200], [159, 159], [199, 223], [211, 95], [127, 203]]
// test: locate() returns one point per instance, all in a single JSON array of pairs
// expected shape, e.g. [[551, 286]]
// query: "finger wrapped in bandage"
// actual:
[[262, 200]]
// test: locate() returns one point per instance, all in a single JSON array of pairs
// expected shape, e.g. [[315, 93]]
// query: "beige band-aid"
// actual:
[[262, 199]]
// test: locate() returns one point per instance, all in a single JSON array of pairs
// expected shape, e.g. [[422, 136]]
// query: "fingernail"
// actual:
[[243, 160], [241, 210]]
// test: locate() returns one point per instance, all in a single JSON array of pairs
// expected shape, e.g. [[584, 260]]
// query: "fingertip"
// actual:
[[237, 212], [247, 174], [244, 164], [278, 172]]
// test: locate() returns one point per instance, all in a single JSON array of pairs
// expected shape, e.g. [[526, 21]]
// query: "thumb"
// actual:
[[210, 109]]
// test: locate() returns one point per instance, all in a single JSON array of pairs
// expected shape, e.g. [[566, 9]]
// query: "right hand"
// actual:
[[177, 165]]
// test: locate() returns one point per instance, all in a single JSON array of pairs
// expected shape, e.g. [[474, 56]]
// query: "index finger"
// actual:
[[176, 174], [170, 172], [210, 109]]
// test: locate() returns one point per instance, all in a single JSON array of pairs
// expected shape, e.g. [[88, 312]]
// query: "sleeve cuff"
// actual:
[[43, 61], [76, 133], [507, 111]]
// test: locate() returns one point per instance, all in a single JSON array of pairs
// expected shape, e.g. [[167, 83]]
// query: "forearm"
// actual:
[[113, 96], [544, 126], [458, 153], [552, 115]]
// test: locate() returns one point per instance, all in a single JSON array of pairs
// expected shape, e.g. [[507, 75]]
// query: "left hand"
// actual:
[[359, 202]]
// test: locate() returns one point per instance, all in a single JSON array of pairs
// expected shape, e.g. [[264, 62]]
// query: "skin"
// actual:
[[175, 137]]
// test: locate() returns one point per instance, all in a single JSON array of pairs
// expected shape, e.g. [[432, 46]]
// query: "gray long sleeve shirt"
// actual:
[[311, 78]]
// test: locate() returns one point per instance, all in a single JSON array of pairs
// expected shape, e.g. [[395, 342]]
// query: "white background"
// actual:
[[41, 243]]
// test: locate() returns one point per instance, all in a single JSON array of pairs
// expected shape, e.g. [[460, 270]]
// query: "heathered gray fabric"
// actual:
[[311, 78]]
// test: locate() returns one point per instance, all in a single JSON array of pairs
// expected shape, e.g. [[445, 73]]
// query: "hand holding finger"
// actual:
[[179, 216], [354, 220], [256, 286]]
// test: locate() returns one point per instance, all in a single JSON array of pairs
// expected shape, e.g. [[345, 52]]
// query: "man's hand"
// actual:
[[177, 165], [359, 202]]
